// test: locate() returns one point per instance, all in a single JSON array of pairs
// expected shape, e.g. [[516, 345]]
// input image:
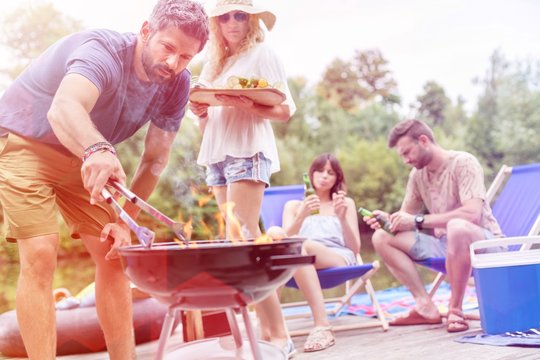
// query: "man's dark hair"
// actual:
[[412, 128], [186, 15]]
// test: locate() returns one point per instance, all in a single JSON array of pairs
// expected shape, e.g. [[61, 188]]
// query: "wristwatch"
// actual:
[[419, 221]]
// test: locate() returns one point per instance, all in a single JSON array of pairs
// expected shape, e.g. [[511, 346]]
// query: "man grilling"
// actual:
[[59, 122]]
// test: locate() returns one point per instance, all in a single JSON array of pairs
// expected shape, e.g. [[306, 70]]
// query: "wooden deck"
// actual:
[[412, 342], [403, 343]]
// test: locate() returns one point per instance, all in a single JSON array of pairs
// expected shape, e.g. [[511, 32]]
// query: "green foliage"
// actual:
[[348, 84], [29, 30], [375, 176], [433, 104], [339, 85], [456, 121], [375, 79], [181, 193], [518, 115], [349, 113], [481, 135], [373, 121], [504, 127]]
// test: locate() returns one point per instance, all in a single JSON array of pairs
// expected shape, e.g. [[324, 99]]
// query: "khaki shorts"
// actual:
[[36, 182]]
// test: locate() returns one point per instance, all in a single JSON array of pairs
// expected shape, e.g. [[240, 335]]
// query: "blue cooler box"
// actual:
[[508, 284]]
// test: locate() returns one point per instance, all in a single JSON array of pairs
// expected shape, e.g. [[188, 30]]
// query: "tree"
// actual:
[[376, 176], [364, 79], [433, 104], [340, 85], [373, 122], [518, 114], [375, 80], [29, 30], [481, 132], [456, 120], [504, 127]]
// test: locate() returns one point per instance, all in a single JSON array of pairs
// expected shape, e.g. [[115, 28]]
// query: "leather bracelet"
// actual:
[[100, 146]]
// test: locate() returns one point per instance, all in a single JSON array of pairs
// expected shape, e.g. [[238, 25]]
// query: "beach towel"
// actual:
[[394, 302], [397, 301], [530, 338]]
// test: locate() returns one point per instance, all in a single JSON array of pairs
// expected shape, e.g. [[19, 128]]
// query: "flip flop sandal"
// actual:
[[456, 325], [319, 339]]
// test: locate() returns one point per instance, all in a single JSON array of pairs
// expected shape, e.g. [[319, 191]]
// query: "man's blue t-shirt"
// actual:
[[105, 57]]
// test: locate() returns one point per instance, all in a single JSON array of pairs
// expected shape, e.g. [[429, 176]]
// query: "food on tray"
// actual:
[[255, 88], [237, 82]]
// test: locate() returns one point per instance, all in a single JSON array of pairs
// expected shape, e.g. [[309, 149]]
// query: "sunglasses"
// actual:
[[238, 17]]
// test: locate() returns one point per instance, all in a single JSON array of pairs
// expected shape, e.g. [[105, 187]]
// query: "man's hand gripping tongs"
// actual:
[[145, 235]]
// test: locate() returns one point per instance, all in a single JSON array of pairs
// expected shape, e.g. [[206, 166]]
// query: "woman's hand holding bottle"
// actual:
[[340, 205], [310, 205]]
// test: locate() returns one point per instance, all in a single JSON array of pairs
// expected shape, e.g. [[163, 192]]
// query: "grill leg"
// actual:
[[251, 335], [235, 330], [166, 330]]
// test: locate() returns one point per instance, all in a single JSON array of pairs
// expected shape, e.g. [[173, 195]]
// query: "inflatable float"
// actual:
[[78, 330]]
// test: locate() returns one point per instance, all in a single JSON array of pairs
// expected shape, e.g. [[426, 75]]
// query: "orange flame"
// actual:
[[233, 223], [221, 225], [206, 230], [228, 224], [188, 228], [202, 200], [263, 239]]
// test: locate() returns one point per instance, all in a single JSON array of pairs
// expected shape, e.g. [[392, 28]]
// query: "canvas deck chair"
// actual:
[[516, 191], [354, 277]]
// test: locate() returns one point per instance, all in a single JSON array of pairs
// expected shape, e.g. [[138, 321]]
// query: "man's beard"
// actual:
[[424, 159], [154, 72]]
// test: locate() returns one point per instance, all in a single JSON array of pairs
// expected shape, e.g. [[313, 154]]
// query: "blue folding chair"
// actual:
[[273, 203], [517, 209]]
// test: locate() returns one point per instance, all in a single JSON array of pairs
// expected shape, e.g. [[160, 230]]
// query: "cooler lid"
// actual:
[[527, 252]]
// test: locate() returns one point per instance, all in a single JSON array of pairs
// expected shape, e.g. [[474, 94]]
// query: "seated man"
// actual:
[[450, 186]]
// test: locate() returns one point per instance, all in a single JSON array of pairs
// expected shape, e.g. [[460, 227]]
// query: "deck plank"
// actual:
[[399, 343], [411, 342]]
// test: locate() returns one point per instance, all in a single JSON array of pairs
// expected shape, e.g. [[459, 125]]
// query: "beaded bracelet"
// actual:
[[100, 146]]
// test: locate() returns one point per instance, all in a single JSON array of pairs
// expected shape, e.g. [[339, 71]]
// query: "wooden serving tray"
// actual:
[[263, 96]]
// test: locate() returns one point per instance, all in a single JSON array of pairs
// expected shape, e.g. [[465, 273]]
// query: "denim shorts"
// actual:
[[232, 169], [427, 246]]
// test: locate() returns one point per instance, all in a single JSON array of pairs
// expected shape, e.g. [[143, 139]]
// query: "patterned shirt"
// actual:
[[459, 179]]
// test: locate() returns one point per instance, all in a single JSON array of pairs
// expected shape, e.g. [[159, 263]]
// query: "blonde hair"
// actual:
[[218, 49]]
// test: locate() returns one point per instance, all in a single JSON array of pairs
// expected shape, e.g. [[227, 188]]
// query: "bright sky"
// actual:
[[449, 41]]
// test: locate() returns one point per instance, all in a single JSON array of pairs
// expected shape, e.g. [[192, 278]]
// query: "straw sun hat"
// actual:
[[225, 6]]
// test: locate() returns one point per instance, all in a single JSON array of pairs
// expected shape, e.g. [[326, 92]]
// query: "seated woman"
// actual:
[[332, 236]]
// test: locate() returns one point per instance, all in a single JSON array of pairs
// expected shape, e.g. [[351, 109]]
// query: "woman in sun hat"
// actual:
[[238, 147]]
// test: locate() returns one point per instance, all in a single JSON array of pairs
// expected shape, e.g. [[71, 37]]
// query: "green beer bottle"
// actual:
[[309, 190], [385, 224]]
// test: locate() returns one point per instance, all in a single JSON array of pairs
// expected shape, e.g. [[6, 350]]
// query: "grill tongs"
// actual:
[[144, 235]]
